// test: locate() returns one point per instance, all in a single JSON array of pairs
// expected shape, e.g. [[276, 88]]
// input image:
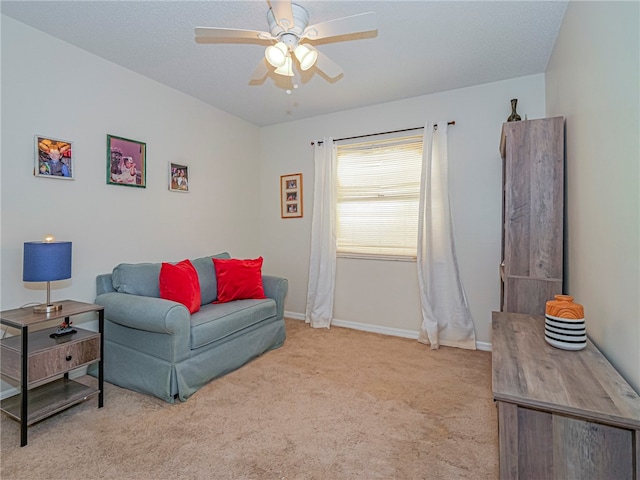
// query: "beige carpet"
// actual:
[[330, 404]]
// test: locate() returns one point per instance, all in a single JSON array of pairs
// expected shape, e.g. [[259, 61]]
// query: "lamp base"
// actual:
[[47, 308]]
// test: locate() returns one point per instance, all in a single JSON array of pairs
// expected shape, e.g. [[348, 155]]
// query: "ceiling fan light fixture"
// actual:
[[288, 26], [276, 54], [306, 56], [286, 69]]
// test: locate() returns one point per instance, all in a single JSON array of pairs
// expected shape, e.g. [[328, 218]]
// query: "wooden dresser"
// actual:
[[561, 414]]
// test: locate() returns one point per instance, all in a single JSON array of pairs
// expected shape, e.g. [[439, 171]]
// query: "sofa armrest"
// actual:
[[276, 288], [103, 284], [146, 313]]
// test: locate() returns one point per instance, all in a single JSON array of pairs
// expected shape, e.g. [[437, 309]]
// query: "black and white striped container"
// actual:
[[565, 333]]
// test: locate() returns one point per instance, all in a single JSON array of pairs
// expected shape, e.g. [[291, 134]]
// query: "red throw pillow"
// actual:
[[238, 279], [180, 283]]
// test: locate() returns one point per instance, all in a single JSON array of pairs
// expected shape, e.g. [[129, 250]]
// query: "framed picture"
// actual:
[[178, 178], [126, 162], [291, 195], [53, 158]]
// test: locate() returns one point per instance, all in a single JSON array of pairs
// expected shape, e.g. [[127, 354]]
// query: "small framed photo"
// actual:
[[53, 158], [178, 178], [291, 195], [126, 162]]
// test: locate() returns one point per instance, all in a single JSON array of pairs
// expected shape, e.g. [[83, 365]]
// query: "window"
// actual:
[[377, 198]]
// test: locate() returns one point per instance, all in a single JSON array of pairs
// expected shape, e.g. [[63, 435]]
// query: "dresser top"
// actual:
[[528, 371]]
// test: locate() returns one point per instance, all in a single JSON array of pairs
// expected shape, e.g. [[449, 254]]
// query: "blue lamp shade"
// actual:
[[46, 261]]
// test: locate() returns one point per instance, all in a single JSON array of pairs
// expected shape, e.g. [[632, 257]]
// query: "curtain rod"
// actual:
[[320, 142]]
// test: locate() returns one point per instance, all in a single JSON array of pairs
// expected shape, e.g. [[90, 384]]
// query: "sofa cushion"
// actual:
[[216, 321], [207, 277], [143, 278], [180, 283], [137, 279], [239, 279]]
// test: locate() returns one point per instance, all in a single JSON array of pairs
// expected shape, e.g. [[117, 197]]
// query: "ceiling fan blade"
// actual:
[[260, 73], [283, 13], [205, 33], [326, 65], [362, 22]]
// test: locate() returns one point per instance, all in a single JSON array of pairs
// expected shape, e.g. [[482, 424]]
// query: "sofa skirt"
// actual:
[[144, 373]]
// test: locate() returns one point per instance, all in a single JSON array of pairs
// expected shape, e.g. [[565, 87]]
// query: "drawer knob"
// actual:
[[68, 358]]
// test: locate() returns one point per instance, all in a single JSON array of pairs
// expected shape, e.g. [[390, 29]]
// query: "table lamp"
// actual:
[[46, 261]]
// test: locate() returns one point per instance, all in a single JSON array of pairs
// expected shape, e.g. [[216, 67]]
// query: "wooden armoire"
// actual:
[[532, 214]]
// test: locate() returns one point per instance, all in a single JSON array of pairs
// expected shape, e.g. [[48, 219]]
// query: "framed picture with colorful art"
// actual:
[[178, 177], [126, 162], [53, 158], [291, 195]]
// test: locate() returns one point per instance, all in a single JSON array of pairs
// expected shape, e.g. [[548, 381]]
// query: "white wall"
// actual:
[[385, 294], [593, 79], [52, 88]]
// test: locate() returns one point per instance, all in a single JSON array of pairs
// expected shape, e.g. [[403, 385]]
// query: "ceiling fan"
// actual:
[[291, 36]]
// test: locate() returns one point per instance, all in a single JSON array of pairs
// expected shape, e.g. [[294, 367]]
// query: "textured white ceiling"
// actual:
[[421, 47]]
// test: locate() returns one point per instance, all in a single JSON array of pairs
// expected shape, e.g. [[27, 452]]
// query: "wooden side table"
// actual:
[[41, 364], [561, 414]]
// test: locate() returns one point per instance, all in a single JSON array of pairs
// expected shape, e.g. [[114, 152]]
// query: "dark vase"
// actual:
[[514, 117]]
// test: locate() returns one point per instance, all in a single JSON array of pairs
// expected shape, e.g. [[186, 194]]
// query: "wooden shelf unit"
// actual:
[[40, 364], [532, 214]]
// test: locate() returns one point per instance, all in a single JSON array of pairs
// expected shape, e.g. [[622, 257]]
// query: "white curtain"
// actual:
[[322, 263], [446, 318]]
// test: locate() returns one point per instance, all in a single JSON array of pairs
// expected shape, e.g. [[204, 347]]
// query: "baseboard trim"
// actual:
[[367, 327]]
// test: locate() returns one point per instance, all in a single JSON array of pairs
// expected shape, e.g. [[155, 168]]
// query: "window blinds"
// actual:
[[377, 197]]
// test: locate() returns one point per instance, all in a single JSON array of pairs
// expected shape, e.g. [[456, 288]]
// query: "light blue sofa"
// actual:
[[156, 346]]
